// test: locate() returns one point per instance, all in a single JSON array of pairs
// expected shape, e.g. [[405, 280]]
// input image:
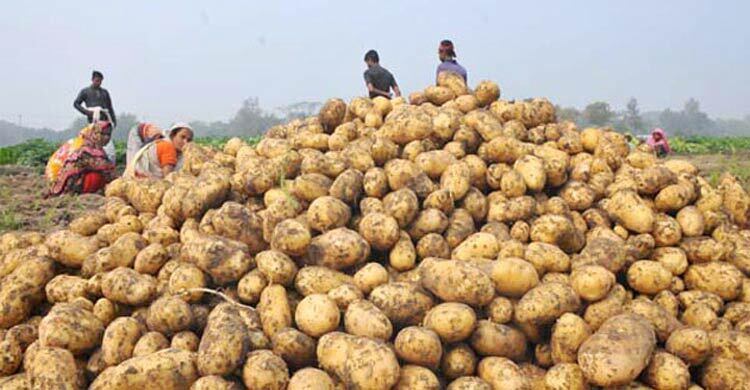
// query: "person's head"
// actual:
[[446, 50], [152, 132], [98, 134], [372, 58], [658, 134], [181, 134], [96, 78]]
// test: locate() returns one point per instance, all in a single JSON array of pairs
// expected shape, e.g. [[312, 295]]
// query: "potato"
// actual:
[[65, 288], [438, 95], [332, 113], [545, 303], [370, 276], [316, 315], [149, 343], [296, 348], [124, 285], [667, 371], [362, 318], [402, 302], [53, 368], [150, 259], [702, 249], [87, 224], [72, 327], [568, 333], [618, 352], [119, 340], [168, 369], [648, 277], [168, 315], [671, 258], [662, 321], [546, 258], [469, 383], [491, 339], [458, 281], [319, 280], [557, 230], [477, 245], [502, 373], [327, 213], [629, 210], [458, 361], [380, 230], [433, 245], [291, 237], [184, 281], [592, 282], [428, 221], [451, 321], [486, 92], [337, 249], [403, 205], [105, 310], [513, 277], [276, 267], [214, 382], [691, 221], [70, 249], [722, 373], [237, 222], [344, 295], [185, 340], [225, 341], [274, 310], [358, 361], [223, 259], [565, 376], [311, 379], [722, 279], [418, 345]]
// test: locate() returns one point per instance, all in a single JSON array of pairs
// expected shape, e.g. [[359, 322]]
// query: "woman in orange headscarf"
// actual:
[[81, 165]]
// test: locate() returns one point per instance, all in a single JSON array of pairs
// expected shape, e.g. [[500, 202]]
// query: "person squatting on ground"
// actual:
[[159, 158]]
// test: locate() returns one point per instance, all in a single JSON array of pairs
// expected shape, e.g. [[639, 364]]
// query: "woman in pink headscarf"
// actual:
[[658, 142]]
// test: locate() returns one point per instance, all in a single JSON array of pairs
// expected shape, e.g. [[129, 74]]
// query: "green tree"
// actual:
[[632, 116], [598, 114], [251, 120]]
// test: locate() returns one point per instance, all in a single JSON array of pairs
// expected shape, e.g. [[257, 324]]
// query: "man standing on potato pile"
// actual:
[[379, 80], [448, 63], [98, 107]]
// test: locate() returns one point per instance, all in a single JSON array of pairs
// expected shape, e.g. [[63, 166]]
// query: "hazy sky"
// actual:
[[185, 60]]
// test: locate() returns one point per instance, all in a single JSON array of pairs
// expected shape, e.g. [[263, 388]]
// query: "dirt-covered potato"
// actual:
[[592, 282], [185, 340], [723, 373], [65, 288], [214, 382], [667, 371], [168, 315], [327, 213], [311, 379], [70, 249], [338, 249], [224, 260], [418, 345], [316, 315], [186, 282], [662, 321], [88, 224], [568, 333], [403, 303], [631, 211], [416, 377], [513, 277], [296, 348], [124, 285], [359, 362], [491, 339], [70, 326], [722, 279], [546, 302], [370, 276], [452, 321], [380, 230], [149, 343], [502, 373], [458, 281], [403, 205], [119, 340], [274, 309], [319, 280], [557, 230], [362, 318], [276, 267], [224, 343], [618, 352], [168, 369], [649, 277], [52, 368]]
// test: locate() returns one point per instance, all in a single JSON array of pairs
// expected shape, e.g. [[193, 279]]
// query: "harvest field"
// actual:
[[452, 240]]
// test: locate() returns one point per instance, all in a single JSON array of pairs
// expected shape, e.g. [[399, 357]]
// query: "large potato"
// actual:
[[327, 213], [338, 249], [491, 339], [513, 277], [224, 343], [451, 321], [546, 302], [119, 340], [316, 315], [359, 362], [264, 370], [124, 285], [168, 369], [618, 352], [418, 345], [70, 326], [52, 368], [70, 249], [722, 279], [502, 373], [362, 318], [458, 281], [403, 303], [667, 371], [628, 209], [568, 333], [274, 309], [380, 230]]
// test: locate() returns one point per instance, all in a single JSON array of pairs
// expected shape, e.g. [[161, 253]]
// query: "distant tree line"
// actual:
[[690, 121]]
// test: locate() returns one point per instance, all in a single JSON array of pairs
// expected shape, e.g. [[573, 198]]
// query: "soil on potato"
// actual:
[[23, 207]]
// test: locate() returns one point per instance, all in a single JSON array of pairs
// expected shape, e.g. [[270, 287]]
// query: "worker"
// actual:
[[659, 143], [139, 135], [98, 107], [448, 63], [81, 166], [159, 158], [379, 80]]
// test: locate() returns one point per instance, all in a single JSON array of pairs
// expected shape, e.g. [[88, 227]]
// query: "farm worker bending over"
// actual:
[[658, 142], [379, 80], [159, 158], [448, 63], [140, 135], [81, 166], [98, 106]]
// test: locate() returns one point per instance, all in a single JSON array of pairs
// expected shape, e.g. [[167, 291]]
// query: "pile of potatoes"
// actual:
[[456, 241]]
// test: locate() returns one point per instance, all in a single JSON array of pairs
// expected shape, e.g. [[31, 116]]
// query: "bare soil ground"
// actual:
[[23, 207]]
